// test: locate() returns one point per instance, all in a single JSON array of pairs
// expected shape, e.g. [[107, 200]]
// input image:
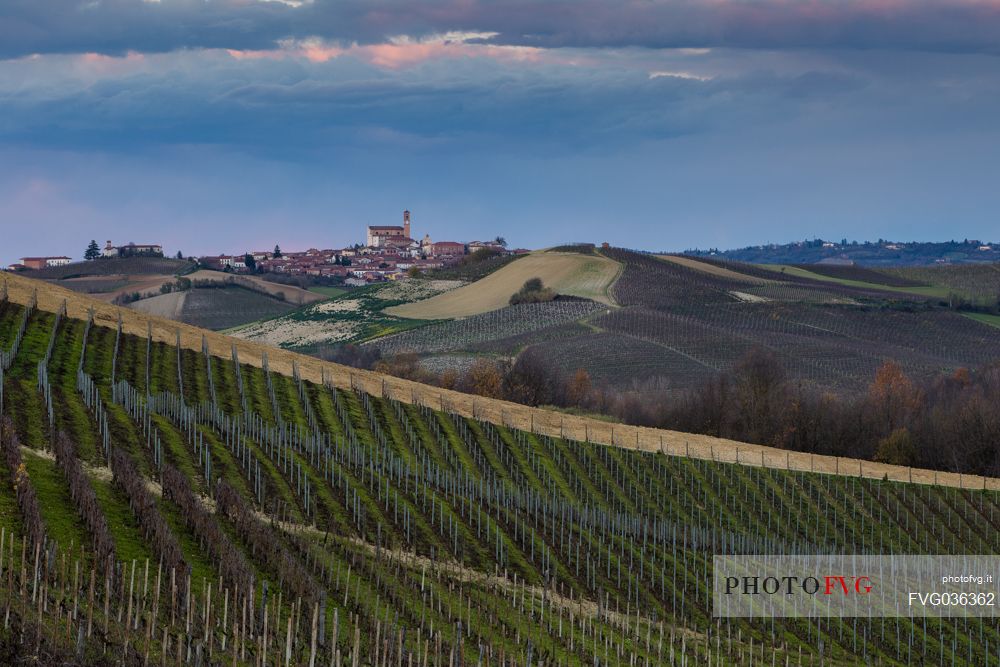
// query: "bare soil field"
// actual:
[[537, 420], [145, 285], [289, 293], [169, 306], [714, 269], [567, 273], [214, 308]]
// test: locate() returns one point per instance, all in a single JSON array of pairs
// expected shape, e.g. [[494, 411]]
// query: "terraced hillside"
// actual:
[[167, 505]]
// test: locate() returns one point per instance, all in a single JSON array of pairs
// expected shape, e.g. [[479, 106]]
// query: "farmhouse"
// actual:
[[233, 261], [132, 250], [378, 235], [487, 245], [44, 262]]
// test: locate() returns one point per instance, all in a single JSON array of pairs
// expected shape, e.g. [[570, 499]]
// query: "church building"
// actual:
[[381, 235]]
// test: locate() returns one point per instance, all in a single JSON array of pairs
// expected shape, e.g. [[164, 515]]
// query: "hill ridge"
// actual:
[[540, 421]]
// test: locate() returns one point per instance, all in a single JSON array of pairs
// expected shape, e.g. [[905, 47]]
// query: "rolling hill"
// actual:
[[118, 266], [679, 321], [869, 254], [571, 274], [138, 278], [195, 502]]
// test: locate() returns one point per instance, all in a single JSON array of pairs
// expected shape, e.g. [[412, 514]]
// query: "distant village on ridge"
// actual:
[[390, 252]]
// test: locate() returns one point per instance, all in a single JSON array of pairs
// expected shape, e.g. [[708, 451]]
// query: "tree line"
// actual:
[[946, 422]]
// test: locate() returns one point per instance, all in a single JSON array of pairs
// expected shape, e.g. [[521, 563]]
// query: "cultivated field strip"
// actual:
[[340, 527], [496, 325], [543, 422]]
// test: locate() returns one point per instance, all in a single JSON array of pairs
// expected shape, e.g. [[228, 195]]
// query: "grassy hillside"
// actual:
[[977, 282], [862, 281], [386, 531], [572, 274]]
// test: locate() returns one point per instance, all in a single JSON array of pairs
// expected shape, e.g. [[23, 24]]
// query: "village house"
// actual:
[[447, 249]]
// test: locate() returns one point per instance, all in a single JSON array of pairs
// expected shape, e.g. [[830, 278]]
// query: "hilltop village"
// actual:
[[390, 252]]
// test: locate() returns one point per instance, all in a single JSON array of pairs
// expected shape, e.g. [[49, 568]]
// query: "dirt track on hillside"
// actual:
[[714, 270], [544, 422]]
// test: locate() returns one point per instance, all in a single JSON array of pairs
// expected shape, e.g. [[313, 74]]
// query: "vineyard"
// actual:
[[163, 505], [115, 267], [979, 282], [494, 327], [682, 325]]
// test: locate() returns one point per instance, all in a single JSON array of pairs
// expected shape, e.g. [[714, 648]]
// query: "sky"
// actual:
[[230, 125]]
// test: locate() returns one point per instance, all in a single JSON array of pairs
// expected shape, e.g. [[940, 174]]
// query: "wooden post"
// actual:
[[315, 627]]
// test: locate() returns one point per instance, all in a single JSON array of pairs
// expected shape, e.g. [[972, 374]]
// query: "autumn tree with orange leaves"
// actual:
[[893, 397]]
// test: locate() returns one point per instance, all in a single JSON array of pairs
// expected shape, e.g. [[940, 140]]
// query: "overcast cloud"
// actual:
[[220, 126]]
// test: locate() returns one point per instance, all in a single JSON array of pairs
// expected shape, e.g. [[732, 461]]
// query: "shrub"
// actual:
[[533, 291]]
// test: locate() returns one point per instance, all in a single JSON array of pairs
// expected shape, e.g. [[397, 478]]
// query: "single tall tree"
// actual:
[[93, 251]]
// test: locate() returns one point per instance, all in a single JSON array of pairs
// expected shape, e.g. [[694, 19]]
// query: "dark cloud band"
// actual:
[[117, 26]]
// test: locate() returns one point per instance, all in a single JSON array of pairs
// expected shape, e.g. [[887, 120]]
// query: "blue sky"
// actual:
[[238, 124]]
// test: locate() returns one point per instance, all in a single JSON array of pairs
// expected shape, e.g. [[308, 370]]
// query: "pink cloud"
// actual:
[[397, 55], [255, 55], [320, 53], [131, 56], [400, 52]]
